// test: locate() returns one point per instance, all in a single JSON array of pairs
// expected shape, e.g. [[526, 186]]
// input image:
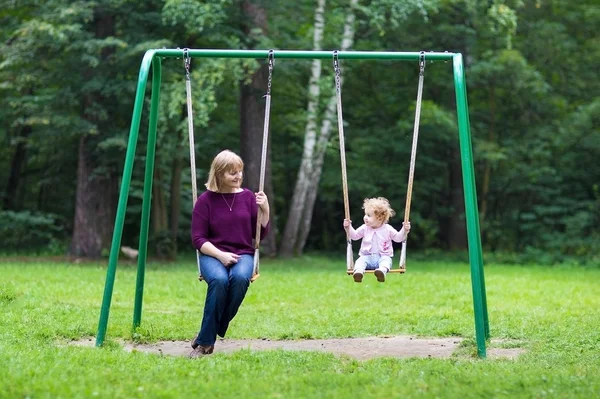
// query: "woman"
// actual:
[[223, 227]]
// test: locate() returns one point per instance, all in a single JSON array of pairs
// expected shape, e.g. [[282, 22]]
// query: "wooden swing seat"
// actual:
[[401, 271]]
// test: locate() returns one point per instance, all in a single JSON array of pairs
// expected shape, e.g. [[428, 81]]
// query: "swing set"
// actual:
[[153, 58]]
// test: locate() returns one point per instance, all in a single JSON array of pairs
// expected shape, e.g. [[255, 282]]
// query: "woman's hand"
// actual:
[[263, 204], [228, 258], [262, 201]]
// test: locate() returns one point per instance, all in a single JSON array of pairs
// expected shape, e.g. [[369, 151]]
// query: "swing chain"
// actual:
[[186, 62], [271, 65], [421, 63], [338, 72]]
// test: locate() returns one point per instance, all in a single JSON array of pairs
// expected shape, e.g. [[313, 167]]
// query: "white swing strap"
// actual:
[[340, 119], [190, 117], [413, 154], [263, 163]]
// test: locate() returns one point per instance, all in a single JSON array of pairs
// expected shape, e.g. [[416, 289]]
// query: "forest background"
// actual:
[[68, 74]]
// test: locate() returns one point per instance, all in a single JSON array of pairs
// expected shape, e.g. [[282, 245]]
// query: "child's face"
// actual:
[[371, 220]]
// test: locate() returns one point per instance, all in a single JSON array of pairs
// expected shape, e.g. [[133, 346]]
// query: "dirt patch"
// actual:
[[358, 348]]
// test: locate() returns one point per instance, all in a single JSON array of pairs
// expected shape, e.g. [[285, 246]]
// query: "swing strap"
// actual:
[[265, 143], [263, 159], [340, 119], [190, 117], [413, 154]]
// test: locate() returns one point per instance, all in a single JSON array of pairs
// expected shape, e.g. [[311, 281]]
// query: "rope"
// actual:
[[190, 118], [338, 92], [263, 159], [413, 154]]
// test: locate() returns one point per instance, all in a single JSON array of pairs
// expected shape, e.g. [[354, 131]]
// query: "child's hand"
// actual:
[[347, 223], [406, 226]]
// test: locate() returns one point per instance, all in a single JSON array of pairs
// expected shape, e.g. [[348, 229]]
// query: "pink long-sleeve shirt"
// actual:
[[377, 241]]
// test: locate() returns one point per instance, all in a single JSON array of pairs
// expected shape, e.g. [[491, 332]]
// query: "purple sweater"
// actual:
[[228, 230]]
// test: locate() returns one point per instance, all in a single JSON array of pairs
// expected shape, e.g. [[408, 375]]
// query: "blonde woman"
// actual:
[[223, 227], [376, 249]]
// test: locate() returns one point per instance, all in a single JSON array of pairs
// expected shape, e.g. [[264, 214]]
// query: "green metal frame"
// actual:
[[153, 58]]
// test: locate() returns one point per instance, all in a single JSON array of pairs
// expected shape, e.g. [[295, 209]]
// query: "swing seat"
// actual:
[[400, 271], [253, 279]]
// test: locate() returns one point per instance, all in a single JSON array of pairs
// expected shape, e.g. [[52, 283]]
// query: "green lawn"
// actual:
[[554, 313]]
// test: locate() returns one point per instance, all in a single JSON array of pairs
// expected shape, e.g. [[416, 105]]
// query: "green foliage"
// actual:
[[532, 87], [31, 231], [502, 22], [390, 14], [195, 16], [551, 313]]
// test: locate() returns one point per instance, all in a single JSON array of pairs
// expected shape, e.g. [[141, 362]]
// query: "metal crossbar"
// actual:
[[299, 54]]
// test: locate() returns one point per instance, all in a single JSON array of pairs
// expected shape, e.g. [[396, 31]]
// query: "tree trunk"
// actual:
[[303, 181], [252, 114], [16, 169], [159, 203], [175, 210], [457, 229], [325, 133], [94, 207], [161, 234], [96, 194], [487, 170]]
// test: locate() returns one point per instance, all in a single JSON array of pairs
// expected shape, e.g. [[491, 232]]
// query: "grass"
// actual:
[[552, 312]]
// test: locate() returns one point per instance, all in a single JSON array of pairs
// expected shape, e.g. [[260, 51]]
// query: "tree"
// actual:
[[300, 216], [96, 193], [80, 112], [290, 239], [307, 183], [252, 115]]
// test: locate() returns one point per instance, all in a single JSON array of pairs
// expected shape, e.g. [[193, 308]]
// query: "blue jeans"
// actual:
[[372, 262], [227, 288]]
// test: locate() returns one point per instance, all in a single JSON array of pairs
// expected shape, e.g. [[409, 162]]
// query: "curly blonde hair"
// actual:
[[225, 161], [380, 207]]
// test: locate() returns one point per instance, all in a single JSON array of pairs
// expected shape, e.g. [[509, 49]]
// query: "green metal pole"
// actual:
[[306, 54], [148, 178], [479, 264], [471, 211], [478, 234], [124, 193]]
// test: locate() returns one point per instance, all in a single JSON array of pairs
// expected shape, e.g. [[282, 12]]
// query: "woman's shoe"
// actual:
[[201, 350]]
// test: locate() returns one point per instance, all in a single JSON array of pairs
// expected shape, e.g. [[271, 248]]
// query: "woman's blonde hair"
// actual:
[[380, 207], [225, 161]]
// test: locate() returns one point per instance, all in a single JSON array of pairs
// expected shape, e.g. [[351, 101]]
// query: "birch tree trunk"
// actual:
[[303, 181], [323, 141]]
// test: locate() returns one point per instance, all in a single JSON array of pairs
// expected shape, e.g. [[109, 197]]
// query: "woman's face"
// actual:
[[232, 180]]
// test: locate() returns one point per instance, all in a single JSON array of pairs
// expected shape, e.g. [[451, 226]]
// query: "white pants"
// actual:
[[372, 262]]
